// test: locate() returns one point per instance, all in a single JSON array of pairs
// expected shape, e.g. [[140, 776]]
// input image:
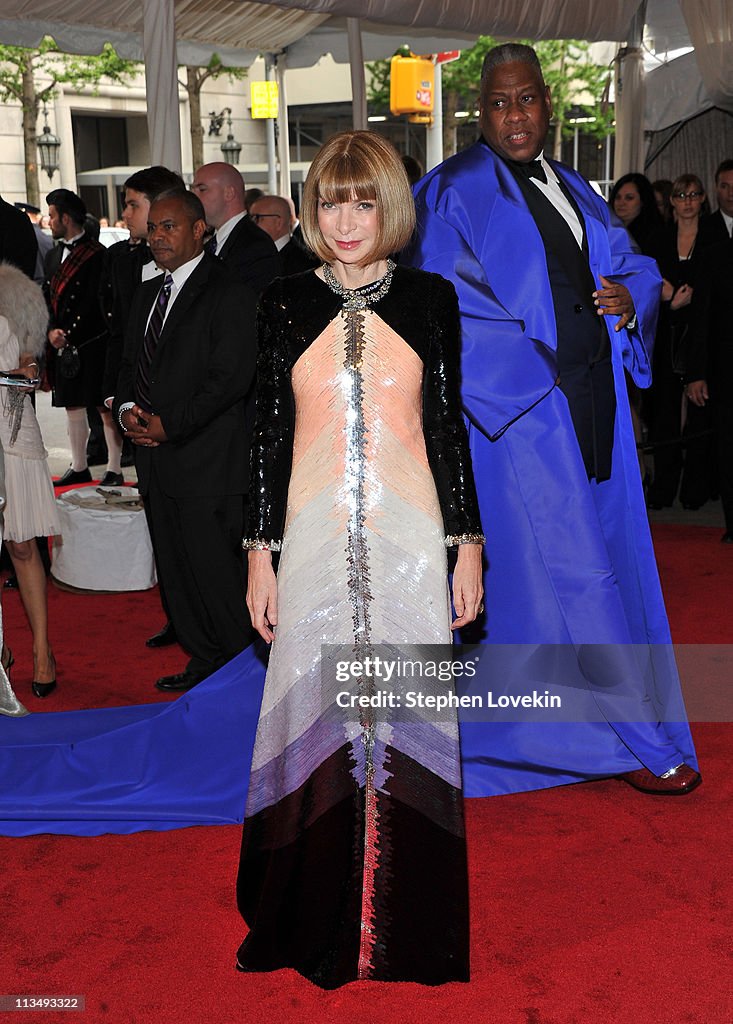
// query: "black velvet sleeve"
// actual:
[[446, 439], [272, 440]]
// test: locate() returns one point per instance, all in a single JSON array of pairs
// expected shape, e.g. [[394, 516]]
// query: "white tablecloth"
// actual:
[[102, 548]]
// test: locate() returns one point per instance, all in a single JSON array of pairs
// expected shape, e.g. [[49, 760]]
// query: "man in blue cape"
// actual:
[[555, 305]]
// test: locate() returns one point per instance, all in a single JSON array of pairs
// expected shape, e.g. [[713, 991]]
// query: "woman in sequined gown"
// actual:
[[353, 862]]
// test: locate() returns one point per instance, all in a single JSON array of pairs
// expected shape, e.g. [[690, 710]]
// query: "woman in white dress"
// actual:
[[31, 507]]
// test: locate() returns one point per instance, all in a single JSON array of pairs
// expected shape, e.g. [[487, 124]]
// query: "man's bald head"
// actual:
[[220, 188], [272, 214]]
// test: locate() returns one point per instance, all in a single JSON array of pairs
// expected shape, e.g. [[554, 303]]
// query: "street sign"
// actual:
[[264, 99], [447, 56]]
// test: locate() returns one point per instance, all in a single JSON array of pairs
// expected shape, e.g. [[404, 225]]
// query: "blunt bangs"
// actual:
[[360, 165]]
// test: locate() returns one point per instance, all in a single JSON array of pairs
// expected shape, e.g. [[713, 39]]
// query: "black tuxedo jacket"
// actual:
[[200, 375], [710, 345], [17, 239], [251, 255], [712, 229], [295, 259]]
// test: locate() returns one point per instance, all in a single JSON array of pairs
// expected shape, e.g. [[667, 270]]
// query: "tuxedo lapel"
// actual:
[[595, 229], [184, 300], [231, 239]]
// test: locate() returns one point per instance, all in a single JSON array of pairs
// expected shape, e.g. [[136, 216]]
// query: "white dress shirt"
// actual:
[[222, 233]]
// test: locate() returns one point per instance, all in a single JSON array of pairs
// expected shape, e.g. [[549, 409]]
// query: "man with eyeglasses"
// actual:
[[273, 215], [247, 250]]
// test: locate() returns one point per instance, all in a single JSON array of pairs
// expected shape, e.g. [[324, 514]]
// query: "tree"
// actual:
[[21, 70], [195, 78], [575, 81]]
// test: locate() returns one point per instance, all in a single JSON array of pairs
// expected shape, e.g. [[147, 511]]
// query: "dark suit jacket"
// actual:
[[80, 315], [121, 277], [712, 229], [710, 348], [17, 239], [295, 259], [201, 372], [251, 255]]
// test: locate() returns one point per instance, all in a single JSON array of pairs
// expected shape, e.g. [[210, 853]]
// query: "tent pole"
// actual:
[[283, 135], [161, 83], [358, 83], [434, 133], [629, 153], [270, 134]]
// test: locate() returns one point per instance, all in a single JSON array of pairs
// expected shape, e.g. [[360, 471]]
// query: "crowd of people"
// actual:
[[683, 418], [365, 333]]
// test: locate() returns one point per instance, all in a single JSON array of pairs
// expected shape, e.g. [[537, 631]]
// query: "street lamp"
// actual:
[[230, 147], [48, 146]]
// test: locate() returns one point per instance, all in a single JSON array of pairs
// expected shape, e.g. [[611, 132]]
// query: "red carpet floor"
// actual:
[[591, 904]]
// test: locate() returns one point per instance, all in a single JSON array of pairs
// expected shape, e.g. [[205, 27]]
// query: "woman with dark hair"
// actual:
[[677, 254], [662, 193], [361, 479], [633, 201]]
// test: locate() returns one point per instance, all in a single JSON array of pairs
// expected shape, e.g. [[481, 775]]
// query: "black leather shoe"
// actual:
[[73, 476], [727, 538], [112, 480], [164, 638], [180, 681]]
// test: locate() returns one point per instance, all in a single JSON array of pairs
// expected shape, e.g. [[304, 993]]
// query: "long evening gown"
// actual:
[[353, 859]]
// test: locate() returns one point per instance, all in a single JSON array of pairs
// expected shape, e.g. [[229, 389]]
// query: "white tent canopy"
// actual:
[[167, 32]]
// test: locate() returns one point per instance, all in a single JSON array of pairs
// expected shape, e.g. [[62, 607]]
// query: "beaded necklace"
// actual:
[[358, 299]]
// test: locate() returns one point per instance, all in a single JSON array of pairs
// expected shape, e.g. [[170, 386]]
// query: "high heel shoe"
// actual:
[[43, 689]]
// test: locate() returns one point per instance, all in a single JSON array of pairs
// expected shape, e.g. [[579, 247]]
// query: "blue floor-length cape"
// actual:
[[569, 561]]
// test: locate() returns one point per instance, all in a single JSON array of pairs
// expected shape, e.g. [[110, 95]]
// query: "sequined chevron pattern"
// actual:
[[350, 817], [360, 596]]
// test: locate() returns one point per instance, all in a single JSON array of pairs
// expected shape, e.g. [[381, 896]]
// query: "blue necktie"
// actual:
[[150, 344]]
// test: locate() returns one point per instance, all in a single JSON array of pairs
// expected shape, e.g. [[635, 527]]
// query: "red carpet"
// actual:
[[591, 904]]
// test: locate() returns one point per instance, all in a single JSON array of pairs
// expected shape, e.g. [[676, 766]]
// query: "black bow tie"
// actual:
[[532, 169], [70, 245]]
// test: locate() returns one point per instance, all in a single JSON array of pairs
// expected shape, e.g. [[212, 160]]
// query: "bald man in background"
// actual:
[[248, 251], [274, 215]]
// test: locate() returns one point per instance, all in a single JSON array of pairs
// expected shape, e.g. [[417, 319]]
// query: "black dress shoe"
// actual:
[[112, 480], [727, 538], [74, 476], [164, 638], [180, 681]]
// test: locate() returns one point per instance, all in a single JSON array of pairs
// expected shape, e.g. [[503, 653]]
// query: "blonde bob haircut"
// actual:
[[360, 165]]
